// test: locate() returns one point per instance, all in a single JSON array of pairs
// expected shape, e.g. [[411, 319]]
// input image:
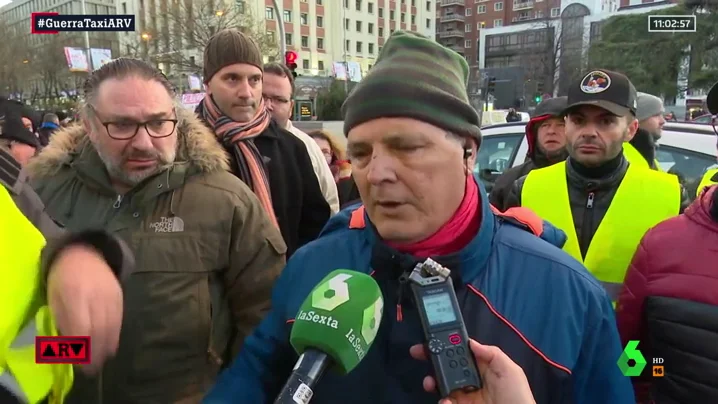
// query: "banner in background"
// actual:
[[100, 57], [195, 83], [76, 59], [190, 101]]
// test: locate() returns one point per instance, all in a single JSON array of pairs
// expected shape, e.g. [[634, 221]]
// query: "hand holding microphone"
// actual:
[[334, 329], [504, 382]]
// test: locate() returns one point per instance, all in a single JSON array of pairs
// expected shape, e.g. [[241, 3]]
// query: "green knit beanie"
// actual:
[[415, 77]]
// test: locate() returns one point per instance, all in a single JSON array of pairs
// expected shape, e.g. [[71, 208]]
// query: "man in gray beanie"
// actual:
[[649, 113], [410, 135]]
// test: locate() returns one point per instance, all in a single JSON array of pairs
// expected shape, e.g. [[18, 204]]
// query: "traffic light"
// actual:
[[539, 87], [290, 59], [492, 84], [537, 97]]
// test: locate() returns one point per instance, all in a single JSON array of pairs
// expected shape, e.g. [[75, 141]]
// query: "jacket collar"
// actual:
[[465, 265], [608, 181], [198, 152]]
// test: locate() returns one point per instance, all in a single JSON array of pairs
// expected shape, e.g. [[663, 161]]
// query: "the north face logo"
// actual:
[[168, 225]]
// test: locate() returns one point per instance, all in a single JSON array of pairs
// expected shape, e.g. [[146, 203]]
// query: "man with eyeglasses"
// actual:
[[206, 252], [278, 90]]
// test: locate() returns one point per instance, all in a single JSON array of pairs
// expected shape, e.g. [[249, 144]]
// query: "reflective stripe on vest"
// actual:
[[634, 156], [644, 199], [20, 247], [706, 181]]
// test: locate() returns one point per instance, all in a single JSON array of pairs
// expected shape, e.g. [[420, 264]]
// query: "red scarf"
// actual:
[[237, 138], [456, 233]]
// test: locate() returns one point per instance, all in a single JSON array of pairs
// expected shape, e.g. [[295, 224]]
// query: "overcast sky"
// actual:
[[4, 2]]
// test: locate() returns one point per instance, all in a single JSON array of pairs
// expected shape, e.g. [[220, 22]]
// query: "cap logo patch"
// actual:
[[595, 82]]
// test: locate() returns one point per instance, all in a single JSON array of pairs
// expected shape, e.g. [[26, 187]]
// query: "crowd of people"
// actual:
[[183, 242]]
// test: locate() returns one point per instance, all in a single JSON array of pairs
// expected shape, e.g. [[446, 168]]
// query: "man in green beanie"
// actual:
[[411, 133]]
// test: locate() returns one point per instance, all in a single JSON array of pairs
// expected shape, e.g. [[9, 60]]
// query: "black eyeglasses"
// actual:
[[125, 130]]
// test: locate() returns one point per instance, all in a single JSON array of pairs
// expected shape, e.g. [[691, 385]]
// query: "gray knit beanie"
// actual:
[[648, 106], [415, 77], [227, 47]]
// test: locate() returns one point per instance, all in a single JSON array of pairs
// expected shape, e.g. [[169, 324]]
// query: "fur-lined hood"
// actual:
[[197, 146]]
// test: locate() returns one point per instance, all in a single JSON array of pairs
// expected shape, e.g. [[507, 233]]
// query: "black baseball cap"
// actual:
[[605, 89], [712, 99], [12, 128]]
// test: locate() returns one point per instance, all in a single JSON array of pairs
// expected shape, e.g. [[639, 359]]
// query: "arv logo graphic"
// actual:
[[631, 353]]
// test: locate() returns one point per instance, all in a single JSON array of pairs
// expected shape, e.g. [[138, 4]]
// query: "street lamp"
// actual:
[[25, 61], [145, 36], [219, 13]]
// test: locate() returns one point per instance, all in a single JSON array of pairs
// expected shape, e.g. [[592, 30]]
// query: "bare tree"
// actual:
[[180, 29], [51, 72], [14, 57]]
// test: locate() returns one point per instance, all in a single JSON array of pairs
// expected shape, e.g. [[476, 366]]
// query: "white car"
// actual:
[[685, 149]]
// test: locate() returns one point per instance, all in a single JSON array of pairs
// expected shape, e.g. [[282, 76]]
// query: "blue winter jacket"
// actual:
[[517, 291]]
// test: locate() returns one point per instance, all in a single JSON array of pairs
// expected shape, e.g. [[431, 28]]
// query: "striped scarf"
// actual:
[[238, 138]]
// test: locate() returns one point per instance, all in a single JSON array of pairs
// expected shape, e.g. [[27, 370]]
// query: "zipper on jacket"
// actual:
[[118, 202], [589, 200], [403, 280]]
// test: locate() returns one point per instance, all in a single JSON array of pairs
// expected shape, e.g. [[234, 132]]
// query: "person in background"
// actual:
[[710, 177], [513, 116], [546, 140], [601, 201], [278, 91], [642, 148], [669, 302], [517, 291], [50, 124], [272, 161], [16, 138], [671, 117], [206, 252], [334, 154], [53, 282]]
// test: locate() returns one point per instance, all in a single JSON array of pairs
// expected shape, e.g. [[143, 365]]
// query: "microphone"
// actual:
[[334, 329]]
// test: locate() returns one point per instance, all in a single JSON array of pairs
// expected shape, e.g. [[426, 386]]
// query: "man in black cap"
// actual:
[[602, 202], [546, 139], [15, 138]]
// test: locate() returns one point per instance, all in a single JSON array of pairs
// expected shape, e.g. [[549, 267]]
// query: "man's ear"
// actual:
[[632, 129]]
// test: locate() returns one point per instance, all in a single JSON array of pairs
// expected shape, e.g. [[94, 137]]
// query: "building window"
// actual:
[[371, 48], [288, 39], [241, 6], [359, 46], [413, 19], [347, 45], [481, 9], [358, 24], [467, 28], [381, 12], [370, 8], [391, 15], [428, 6], [269, 13], [428, 23], [304, 19], [358, 5], [555, 12], [499, 6], [403, 18], [346, 3], [370, 28], [320, 65], [320, 43], [287, 15], [467, 12], [305, 64], [498, 23], [381, 32], [305, 41], [380, 50], [319, 2], [480, 25], [320, 21], [346, 23], [467, 43]]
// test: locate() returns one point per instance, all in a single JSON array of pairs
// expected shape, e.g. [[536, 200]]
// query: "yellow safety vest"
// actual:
[[27, 316], [707, 181], [643, 199], [636, 158]]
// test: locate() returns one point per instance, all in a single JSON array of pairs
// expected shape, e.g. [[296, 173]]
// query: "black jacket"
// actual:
[[645, 144], [348, 192], [590, 198], [298, 202]]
